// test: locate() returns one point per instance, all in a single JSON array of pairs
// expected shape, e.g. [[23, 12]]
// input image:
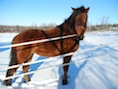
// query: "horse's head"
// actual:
[[79, 20]]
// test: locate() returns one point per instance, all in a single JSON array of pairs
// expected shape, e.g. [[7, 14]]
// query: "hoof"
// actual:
[[64, 82], [7, 82], [25, 81]]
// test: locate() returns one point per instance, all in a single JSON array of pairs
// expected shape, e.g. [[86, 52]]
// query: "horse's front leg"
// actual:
[[65, 69]]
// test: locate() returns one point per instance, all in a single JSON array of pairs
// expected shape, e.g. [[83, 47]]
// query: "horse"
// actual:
[[75, 24]]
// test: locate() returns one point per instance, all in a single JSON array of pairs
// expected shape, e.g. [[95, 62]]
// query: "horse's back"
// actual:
[[28, 35]]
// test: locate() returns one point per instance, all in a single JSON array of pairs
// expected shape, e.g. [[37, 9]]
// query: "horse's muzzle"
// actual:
[[81, 37]]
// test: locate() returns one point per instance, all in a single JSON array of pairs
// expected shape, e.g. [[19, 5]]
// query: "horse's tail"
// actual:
[[13, 61], [13, 58]]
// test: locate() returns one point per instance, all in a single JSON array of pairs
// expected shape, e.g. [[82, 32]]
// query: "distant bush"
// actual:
[[17, 29], [103, 27]]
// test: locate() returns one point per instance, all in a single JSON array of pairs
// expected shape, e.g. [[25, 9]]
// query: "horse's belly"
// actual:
[[47, 50]]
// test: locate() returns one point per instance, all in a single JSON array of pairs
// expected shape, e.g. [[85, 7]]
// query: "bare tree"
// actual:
[[105, 20]]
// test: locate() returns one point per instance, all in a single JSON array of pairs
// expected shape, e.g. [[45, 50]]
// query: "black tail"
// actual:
[[13, 58], [13, 61]]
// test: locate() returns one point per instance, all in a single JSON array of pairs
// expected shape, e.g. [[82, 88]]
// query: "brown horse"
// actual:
[[75, 24]]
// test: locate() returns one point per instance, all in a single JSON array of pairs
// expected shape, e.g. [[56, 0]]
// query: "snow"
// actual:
[[95, 67]]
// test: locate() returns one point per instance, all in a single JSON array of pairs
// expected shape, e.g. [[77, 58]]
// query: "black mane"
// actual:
[[70, 21]]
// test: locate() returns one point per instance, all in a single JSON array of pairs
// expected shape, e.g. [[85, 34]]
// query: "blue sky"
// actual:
[[39, 12]]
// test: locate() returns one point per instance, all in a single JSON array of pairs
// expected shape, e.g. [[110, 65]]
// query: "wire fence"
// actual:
[[60, 56], [61, 65], [39, 41]]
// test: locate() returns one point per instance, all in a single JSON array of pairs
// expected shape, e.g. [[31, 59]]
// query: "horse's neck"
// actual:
[[59, 30], [66, 29], [52, 32]]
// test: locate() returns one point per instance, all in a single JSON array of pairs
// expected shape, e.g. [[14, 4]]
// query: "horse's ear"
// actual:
[[87, 9], [74, 10]]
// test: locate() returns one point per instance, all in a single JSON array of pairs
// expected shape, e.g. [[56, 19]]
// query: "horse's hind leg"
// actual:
[[25, 69], [65, 69], [10, 72], [26, 77]]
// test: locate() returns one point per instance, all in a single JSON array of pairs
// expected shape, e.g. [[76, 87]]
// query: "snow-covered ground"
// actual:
[[96, 65]]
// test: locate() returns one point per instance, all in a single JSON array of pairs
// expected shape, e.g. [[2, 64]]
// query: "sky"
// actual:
[[42, 12]]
